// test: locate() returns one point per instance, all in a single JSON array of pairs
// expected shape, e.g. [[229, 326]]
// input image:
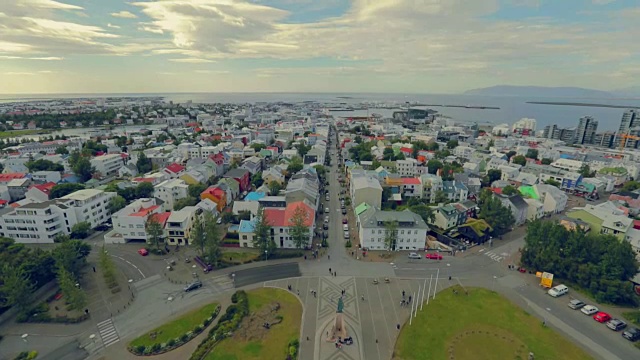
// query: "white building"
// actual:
[[46, 176], [169, 191], [502, 129], [91, 205], [179, 225], [567, 164], [107, 165], [525, 124], [407, 167], [366, 189], [411, 230], [130, 221]]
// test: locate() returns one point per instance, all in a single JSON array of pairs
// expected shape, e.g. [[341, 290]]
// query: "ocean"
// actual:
[[511, 109]]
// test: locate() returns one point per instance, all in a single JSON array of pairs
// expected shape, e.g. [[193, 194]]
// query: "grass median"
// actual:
[[464, 327], [252, 341], [175, 328]]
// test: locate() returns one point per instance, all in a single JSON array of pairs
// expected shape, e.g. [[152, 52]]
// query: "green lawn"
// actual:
[[14, 133], [177, 327], [274, 344], [239, 257], [467, 326]]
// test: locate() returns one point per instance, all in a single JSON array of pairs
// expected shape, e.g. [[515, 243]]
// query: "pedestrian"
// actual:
[[398, 326], [329, 270], [328, 257], [409, 298], [449, 277], [362, 297], [376, 341], [403, 294], [289, 287], [335, 274], [298, 292], [94, 269]]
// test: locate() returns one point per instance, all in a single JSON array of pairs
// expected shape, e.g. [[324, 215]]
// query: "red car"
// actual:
[[433, 256], [143, 252], [601, 317], [344, 221]]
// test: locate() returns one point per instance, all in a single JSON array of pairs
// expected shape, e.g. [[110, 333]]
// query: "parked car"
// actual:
[[433, 256], [344, 211], [589, 310], [344, 221], [194, 285], [576, 304], [558, 290], [616, 324], [143, 252], [414, 256], [601, 317], [326, 210], [632, 334], [325, 226]]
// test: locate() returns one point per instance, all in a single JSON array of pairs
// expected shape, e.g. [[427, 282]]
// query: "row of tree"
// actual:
[[601, 264]]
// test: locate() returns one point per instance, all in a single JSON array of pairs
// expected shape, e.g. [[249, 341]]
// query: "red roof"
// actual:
[[143, 179], [145, 211], [45, 188], [215, 191], [10, 176], [192, 124], [636, 224], [291, 209], [161, 217], [3, 202], [175, 168], [497, 190], [275, 217], [410, 181], [406, 150]]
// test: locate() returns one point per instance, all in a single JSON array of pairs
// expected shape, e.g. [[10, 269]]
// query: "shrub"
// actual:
[[184, 337], [140, 349], [171, 342], [280, 254], [197, 329], [155, 347]]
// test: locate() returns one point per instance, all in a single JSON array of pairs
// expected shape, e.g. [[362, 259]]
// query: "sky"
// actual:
[[388, 46]]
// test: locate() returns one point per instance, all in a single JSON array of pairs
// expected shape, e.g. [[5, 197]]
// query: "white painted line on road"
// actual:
[[132, 264]]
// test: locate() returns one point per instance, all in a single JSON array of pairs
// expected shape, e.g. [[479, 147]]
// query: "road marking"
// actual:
[[493, 256], [108, 332], [132, 264]]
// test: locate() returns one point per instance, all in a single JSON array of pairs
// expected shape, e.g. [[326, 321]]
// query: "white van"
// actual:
[[557, 291], [346, 234], [345, 227]]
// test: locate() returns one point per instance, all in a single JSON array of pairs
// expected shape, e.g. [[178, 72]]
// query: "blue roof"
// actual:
[[246, 226], [254, 196]]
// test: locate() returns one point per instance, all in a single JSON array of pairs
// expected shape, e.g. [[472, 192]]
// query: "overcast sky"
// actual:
[[408, 46]]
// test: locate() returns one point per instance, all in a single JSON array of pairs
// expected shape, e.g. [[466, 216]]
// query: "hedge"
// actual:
[[228, 323], [157, 348]]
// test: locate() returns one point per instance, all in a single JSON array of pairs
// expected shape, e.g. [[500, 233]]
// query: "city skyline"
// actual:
[[396, 46]]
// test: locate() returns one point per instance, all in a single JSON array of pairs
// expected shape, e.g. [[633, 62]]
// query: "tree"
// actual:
[[494, 175], [532, 154], [116, 203], [43, 165], [400, 156], [433, 166], [274, 188], [452, 144], [509, 190], [321, 171], [298, 228], [631, 186], [388, 154], [295, 165], [585, 171], [495, 214], [491, 144], [441, 197], [108, 268], [212, 239], [433, 146], [61, 190], [144, 190], [80, 230], [511, 154], [17, 287], [391, 234], [256, 179], [74, 296], [71, 255], [303, 149], [83, 169], [262, 233], [144, 164], [552, 182], [154, 231], [195, 190], [546, 161], [257, 146], [426, 212], [62, 150], [519, 159], [197, 237]]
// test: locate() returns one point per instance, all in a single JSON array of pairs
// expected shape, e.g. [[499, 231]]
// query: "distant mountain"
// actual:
[[541, 91], [631, 92]]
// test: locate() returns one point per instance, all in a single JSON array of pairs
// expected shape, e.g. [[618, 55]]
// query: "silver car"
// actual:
[[414, 256]]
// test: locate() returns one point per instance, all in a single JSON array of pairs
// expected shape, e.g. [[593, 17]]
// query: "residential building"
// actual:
[[536, 209], [630, 121], [170, 191], [179, 224], [446, 216], [253, 164], [40, 192], [246, 232], [173, 171], [130, 221], [519, 208], [431, 185], [366, 189], [242, 176], [90, 205], [554, 200], [46, 177], [271, 174], [407, 167], [217, 195], [605, 218], [108, 165], [280, 221], [455, 190], [411, 229], [587, 127]]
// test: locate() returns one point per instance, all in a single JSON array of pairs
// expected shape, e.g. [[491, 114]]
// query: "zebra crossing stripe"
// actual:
[[108, 332]]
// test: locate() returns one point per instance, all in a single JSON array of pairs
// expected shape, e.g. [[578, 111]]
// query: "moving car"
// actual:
[[143, 252], [616, 324], [632, 334], [433, 256], [589, 310], [558, 290], [576, 304], [194, 285], [414, 256], [601, 317]]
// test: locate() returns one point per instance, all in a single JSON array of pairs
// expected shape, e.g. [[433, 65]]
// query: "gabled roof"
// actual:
[[175, 168], [161, 217], [45, 188], [144, 211], [518, 202], [236, 173], [410, 181]]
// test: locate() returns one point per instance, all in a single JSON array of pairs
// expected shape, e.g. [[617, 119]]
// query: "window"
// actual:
[[244, 237], [402, 232]]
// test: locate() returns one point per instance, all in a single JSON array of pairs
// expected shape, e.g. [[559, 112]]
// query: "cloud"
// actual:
[[110, 25], [48, 58], [192, 60], [124, 15], [49, 4], [47, 72], [212, 72], [19, 73], [602, 2]]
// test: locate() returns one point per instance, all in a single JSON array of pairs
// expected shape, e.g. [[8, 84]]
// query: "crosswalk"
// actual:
[[108, 332], [494, 256]]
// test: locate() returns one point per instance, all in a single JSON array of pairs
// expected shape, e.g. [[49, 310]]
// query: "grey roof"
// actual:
[[40, 205], [372, 217], [236, 173], [518, 202], [362, 182]]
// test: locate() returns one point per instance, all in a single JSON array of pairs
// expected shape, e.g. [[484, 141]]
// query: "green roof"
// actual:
[[613, 170], [528, 192], [479, 226], [362, 208]]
